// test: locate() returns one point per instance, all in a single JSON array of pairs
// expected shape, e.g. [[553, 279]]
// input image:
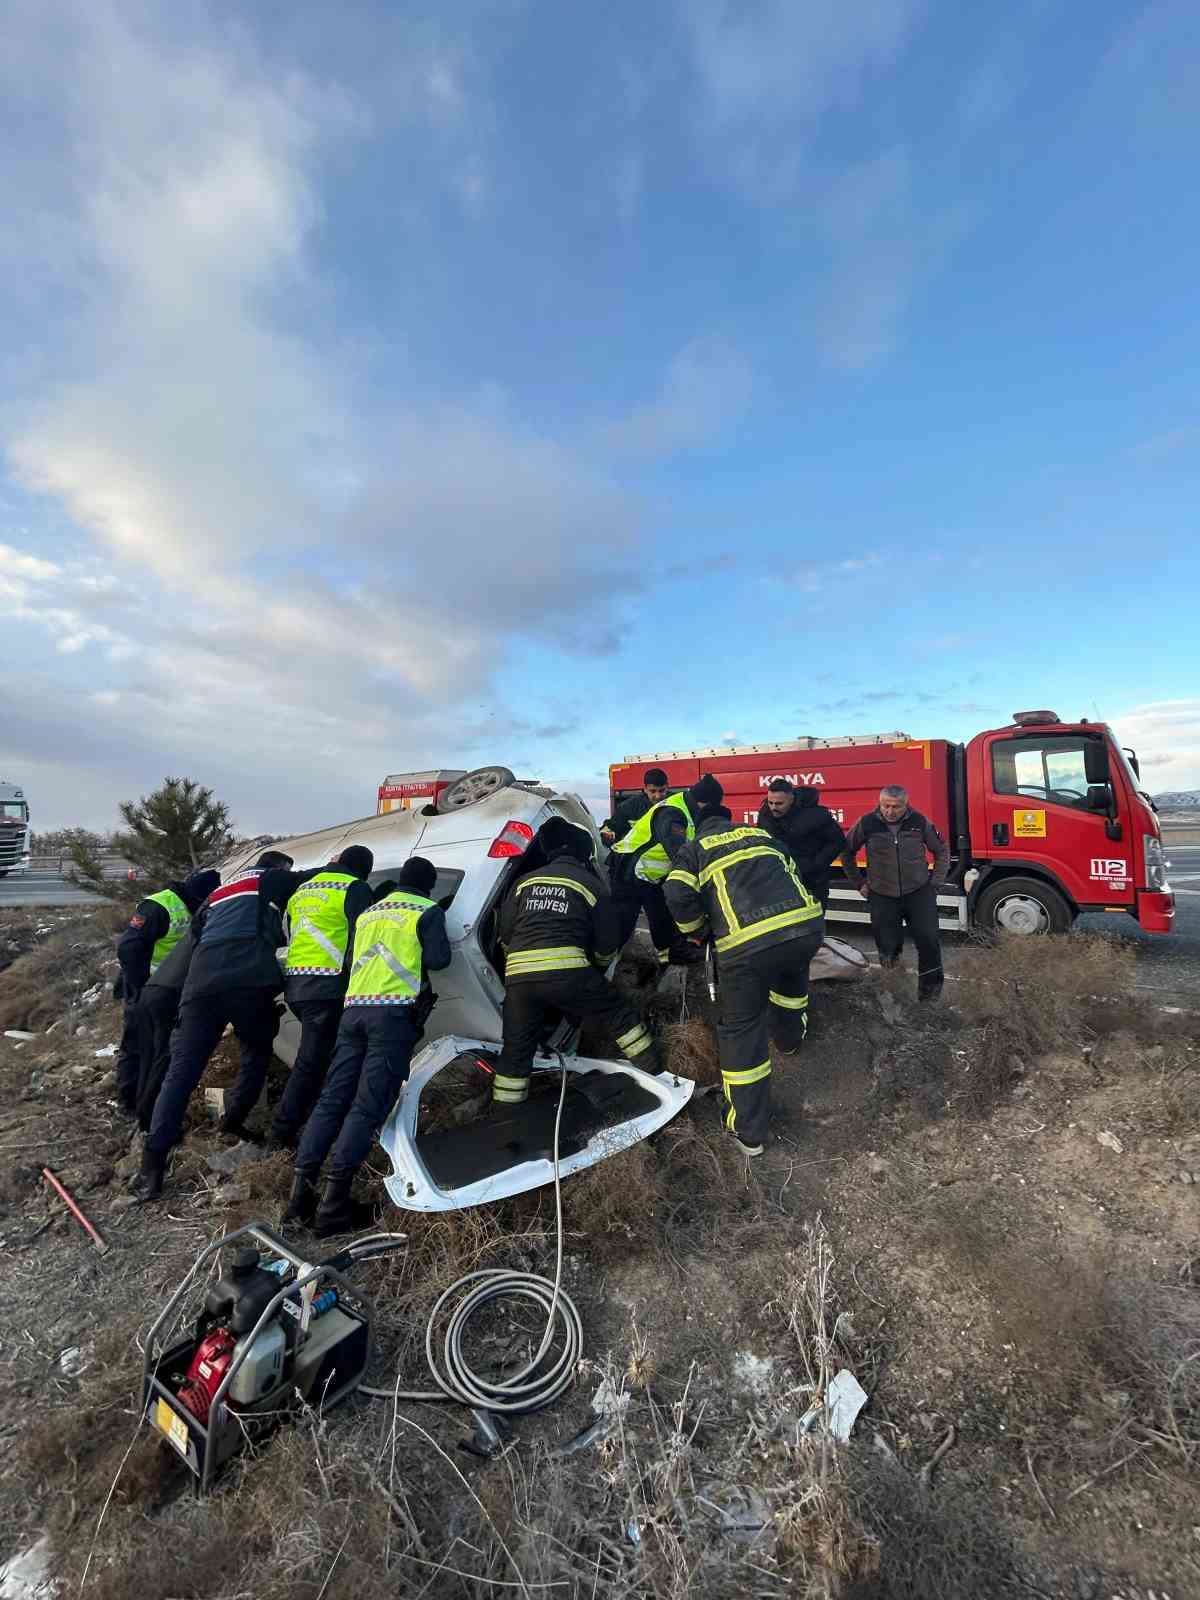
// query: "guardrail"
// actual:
[[115, 867]]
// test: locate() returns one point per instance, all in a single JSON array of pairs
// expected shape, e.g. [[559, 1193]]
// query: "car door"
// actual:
[[1048, 799]]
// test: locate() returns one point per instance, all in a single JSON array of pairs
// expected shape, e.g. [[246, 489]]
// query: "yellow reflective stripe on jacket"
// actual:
[[788, 1002], [559, 958], [689, 927], [678, 875], [534, 878], [707, 874], [714, 841], [750, 1075], [755, 930]]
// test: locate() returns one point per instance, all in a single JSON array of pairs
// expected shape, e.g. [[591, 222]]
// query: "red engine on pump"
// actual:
[[208, 1368]]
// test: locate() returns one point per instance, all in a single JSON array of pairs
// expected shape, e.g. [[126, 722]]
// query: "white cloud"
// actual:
[[286, 570], [779, 54], [705, 389], [1166, 737]]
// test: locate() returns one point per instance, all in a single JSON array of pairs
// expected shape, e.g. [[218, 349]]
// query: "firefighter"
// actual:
[[738, 887], [644, 862], [321, 918], [155, 928], [398, 942], [558, 930], [234, 978]]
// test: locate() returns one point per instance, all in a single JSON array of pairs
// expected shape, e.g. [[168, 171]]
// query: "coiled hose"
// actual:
[[530, 1389]]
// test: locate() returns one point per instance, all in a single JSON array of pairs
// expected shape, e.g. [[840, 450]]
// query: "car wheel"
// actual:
[[1022, 905], [475, 786]]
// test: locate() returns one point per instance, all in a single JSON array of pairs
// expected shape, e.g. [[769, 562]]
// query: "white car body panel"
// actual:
[[470, 992], [411, 1186]]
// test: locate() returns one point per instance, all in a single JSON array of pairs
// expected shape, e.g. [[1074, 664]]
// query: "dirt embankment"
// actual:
[[986, 1210]]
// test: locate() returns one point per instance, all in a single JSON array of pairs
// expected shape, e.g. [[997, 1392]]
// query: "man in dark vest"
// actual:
[[234, 978], [157, 925]]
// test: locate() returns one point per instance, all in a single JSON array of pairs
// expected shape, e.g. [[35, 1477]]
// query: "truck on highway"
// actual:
[[14, 829], [1045, 819]]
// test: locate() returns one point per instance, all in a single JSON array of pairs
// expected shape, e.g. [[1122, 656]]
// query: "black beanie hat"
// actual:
[[357, 860], [272, 858], [561, 837], [417, 874], [707, 792], [199, 885]]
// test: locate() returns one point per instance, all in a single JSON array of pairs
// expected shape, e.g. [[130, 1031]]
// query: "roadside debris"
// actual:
[[610, 1400], [96, 1237], [743, 1513], [844, 1399], [1110, 1142], [234, 1160], [19, 1034]]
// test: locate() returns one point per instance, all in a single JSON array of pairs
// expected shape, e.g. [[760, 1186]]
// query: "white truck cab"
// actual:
[[14, 829]]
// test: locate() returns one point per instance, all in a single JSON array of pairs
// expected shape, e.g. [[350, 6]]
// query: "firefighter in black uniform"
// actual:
[[737, 887], [157, 925], [234, 978], [559, 932]]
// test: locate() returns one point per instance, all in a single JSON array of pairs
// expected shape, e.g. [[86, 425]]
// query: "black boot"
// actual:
[[335, 1214], [302, 1205], [148, 1183], [280, 1137]]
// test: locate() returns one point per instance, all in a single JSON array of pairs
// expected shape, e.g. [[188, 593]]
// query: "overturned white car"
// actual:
[[481, 837]]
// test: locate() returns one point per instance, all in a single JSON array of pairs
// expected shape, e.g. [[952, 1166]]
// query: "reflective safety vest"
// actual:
[[318, 925], [386, 970], [180, 917], [652, 865]]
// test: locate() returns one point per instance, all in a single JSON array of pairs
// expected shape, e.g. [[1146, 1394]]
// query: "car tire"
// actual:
[[472, 787], [1022, 905]]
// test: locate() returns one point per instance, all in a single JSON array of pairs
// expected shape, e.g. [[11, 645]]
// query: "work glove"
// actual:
[[118, 988]]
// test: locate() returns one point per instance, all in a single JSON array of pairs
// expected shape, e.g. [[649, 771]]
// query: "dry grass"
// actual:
[[41, 984]]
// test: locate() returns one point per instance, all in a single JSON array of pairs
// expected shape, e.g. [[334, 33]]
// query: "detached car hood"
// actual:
[[608, 1106]]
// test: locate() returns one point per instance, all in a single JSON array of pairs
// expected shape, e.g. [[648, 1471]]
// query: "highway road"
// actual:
[[43, 889]]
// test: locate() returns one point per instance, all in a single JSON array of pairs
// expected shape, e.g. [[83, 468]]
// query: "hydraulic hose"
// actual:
[[531, 1388]]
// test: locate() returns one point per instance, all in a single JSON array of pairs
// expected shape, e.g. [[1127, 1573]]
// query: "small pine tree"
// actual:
[[174, 830], [82, 865]]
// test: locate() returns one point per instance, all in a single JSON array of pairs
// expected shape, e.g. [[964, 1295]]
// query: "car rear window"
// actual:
[[444, 889]]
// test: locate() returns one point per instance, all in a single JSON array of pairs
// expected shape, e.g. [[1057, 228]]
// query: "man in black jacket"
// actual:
[[234, 978], [628, 892], [900, 888], [559, 930], [157, 925], [809, 832]]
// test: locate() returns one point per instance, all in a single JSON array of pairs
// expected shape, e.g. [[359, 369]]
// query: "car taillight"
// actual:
[[513, 839]]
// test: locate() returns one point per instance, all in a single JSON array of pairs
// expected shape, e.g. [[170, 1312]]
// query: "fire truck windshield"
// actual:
[[16, 809]]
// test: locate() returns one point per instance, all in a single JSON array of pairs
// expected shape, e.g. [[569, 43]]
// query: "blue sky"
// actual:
[[399, 385]]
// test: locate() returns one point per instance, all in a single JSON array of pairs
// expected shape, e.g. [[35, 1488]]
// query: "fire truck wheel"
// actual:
[[478, 785], [1022, 905]]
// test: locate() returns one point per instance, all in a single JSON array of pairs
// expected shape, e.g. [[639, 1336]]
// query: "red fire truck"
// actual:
[[1045, 819], [409, 791]]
